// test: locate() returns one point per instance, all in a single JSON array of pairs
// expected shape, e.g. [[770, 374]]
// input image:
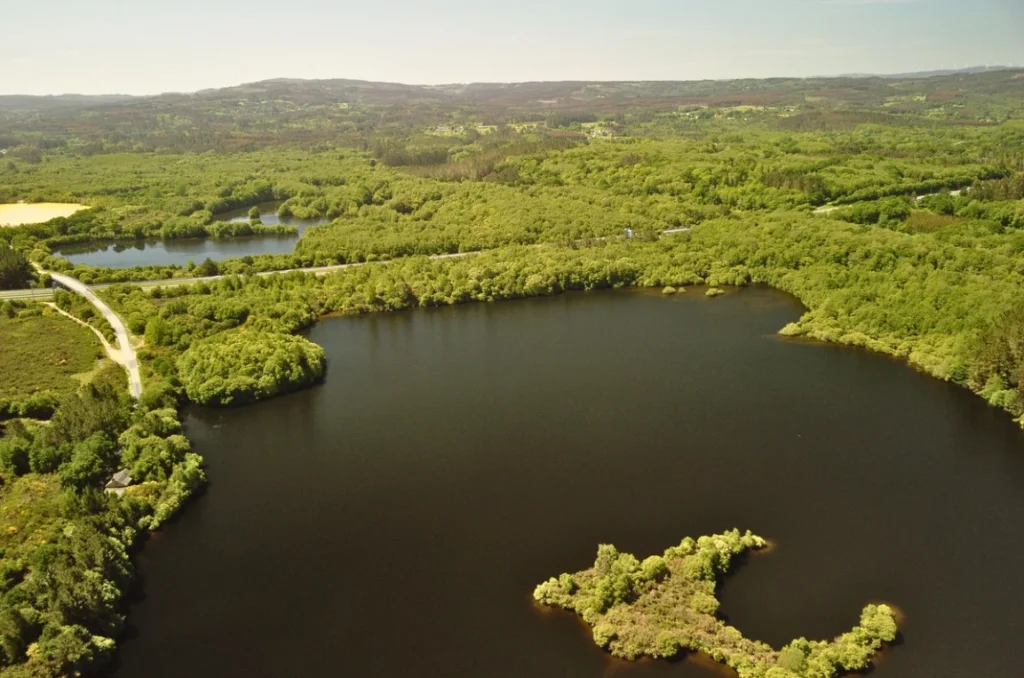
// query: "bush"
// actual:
[[604, 634]]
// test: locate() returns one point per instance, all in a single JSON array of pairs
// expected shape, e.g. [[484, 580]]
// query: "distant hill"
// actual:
[[930, 74], [333, 112], [856, 89]]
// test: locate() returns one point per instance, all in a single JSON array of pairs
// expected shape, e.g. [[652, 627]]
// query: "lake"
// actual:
[[180, 252], [395, 520]]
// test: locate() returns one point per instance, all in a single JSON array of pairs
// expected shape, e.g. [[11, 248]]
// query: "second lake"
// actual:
[[179, 252]]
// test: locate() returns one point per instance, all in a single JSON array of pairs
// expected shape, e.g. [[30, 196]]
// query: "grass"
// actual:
[[43, 353]]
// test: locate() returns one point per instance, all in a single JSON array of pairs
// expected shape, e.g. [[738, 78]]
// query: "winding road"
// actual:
[[128, 358]]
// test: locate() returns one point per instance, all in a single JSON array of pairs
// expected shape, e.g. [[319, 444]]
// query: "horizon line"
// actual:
[[936, 72]]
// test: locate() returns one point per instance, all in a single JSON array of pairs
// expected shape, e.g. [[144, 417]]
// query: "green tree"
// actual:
[[156, 331], [14, 455], [15, 269], [207, 268], [91, 463]]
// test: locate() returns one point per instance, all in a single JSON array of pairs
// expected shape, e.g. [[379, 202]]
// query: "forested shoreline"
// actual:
[[893, 212]]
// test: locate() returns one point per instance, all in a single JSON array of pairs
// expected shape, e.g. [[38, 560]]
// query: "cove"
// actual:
[[395, 520], [180, 252]]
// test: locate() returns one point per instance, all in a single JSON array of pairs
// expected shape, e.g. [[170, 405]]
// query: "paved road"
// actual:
[[315, 270], [41, 295], [129, 360]]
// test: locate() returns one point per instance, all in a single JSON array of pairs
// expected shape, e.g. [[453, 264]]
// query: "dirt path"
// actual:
[[125, 355], [112, 353]]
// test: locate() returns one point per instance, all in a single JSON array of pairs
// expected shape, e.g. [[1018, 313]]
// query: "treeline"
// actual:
[[1009, 188]]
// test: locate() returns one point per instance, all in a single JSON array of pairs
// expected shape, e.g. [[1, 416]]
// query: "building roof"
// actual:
[[121, 479]]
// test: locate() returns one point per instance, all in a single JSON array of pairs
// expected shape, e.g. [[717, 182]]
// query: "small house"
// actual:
[[119, 482]]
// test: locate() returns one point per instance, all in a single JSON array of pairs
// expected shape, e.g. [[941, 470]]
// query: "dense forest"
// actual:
[[892, 208]]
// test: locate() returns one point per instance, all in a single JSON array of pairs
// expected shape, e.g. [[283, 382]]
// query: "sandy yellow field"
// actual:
[[35, 213]]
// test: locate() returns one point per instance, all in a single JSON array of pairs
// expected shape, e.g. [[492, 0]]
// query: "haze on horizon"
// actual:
[[118, 46]]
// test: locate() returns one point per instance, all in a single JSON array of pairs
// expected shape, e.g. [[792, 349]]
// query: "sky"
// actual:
[[153, 46]]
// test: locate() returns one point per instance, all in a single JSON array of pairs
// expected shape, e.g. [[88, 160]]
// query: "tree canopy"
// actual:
[[241, 366]]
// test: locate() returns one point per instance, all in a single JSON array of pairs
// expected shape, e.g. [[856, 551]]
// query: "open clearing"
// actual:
[[20, 213], [44, 353]]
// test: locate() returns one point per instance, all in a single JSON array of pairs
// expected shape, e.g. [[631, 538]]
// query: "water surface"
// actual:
[[394, 521], [180, 252]]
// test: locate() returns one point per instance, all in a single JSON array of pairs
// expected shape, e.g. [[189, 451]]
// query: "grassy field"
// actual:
[[44, 353]]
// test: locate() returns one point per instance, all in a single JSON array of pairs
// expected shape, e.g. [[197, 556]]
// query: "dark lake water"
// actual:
[[394, 521], [180, 252]]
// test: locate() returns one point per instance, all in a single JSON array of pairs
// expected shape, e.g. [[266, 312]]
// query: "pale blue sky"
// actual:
[[150, 46]]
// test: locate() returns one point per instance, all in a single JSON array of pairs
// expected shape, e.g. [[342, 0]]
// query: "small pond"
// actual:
[[180, 252]]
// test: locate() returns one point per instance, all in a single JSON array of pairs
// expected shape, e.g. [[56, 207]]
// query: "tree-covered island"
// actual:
[[666, 605]]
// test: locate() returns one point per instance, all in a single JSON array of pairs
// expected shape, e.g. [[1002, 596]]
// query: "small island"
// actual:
[[666, 605]]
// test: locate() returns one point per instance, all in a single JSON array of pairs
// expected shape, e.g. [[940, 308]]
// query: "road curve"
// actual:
[[129, 360]]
